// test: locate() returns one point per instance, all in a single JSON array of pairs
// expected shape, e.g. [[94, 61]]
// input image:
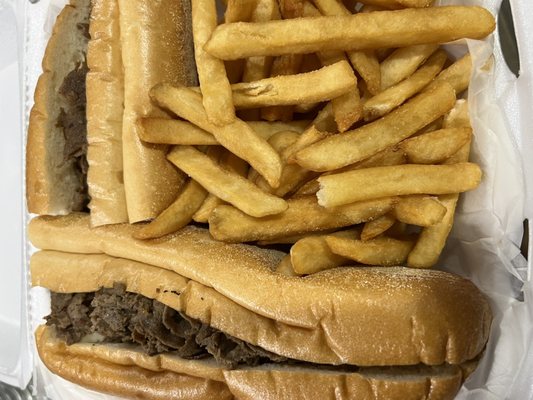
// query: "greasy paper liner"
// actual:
[[483, 245]]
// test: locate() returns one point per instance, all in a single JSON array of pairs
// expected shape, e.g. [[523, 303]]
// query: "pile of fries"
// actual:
[[333, 127]]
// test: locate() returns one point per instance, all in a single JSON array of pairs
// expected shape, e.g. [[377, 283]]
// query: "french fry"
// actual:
[[376, 227], [239, 10], [458, 116], [214, 83], [382, 251], [403, 62], [229, 224], [394, 96], [340, 150], [377, 182], [307, 188], [435, 147], [225, 184], [419, 210], [237, 137], [434, 126], [281, 140], [390, 156], [173, 131], [288, 64], [351, 32], [257, 68], [366, 64], [398, 3], [293, 238], [324, 84], [347, 108], [432, 240], [292, 175], [365, 61], [457, 74], [233, 163], [285, 267], [266, 129], [177, 215], [312, 254]]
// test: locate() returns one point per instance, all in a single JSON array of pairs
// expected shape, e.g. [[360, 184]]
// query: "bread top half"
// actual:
[[359, 316]]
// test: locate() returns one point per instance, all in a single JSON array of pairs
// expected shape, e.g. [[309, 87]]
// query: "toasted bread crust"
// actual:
[[105, 108], [128, 380], [156, 47], [118, 369]]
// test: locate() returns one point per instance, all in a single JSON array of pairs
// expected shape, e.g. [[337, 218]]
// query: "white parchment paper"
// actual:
[[484, 244]]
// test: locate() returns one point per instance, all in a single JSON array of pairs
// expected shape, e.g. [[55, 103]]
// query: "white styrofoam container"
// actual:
[[29, 25]]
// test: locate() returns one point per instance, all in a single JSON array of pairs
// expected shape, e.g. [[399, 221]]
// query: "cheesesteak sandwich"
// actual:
[[83, 146], [189, 317]]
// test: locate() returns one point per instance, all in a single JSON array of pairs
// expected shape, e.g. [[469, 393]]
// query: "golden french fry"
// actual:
[[350, 147], [324, 84], [227, 185], [376, 227], [293, 238], [283, 139], [267, 129], [214, 83], [458, 116], [351, 32], [285, 267], [390, 156], [237, 137], [239, 10], [373, 183], [228, 224], [395, 95], [457, 74], [173, 131], [347, 108], [432, 239], [233, 163], [365, 62], [434, 126], [312, 254], [288, 64], [393, 4], [177, 215], [403, 62], [419, 210], [257, 68], [380, 251], [307, 188], [435, 147], [292, 175]]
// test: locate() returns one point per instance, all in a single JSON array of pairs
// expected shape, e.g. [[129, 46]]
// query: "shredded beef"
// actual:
[[120, 316], [70, 315], [73, 121]]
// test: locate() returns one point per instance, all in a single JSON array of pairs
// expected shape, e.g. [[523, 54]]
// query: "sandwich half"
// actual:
[[83, 149], [222, 320]]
